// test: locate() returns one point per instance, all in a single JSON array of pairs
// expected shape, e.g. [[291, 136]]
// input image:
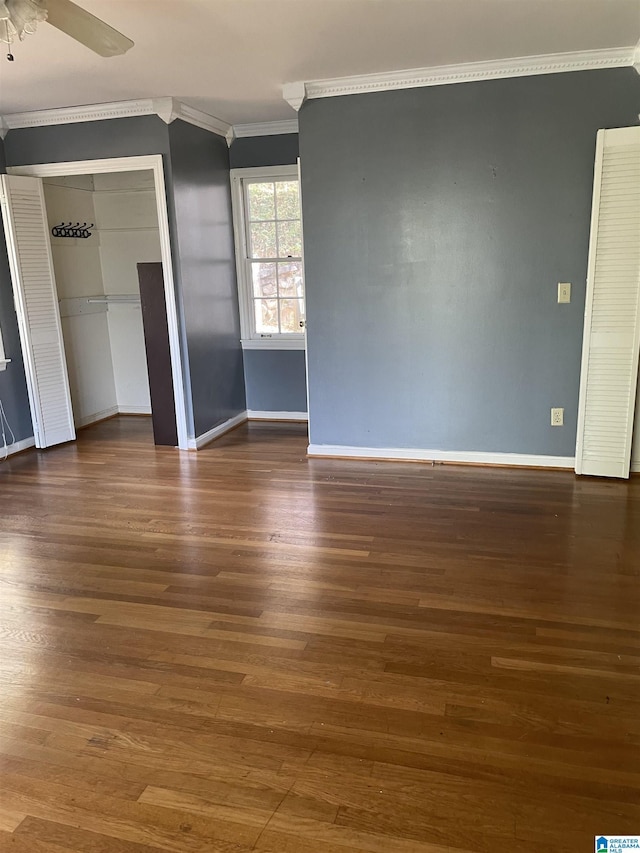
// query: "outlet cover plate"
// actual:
[[557, 417]]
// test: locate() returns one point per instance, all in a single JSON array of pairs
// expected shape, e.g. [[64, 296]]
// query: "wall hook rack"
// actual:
[[70, 230]]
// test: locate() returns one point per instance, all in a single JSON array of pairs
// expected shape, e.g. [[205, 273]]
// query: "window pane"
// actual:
[[266, 312], [264, 279], [290, 279], [291, 313], [287, 200], [289, 239], [261, 201], [263, 240]]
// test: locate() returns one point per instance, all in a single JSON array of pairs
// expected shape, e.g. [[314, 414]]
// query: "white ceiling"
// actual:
[[230, 57]]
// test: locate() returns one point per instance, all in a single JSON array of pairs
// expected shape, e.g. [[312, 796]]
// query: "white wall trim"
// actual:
[[199, 441], [176, 109], [265, 128], [295, 94], [553, 63], [254, 415], [18, 447], [154, 163], [266, 172], [168, 109], [134, 410], [274, 343], [111, 412], [72, 115], [96, 416], [462, 456], [636, 57]]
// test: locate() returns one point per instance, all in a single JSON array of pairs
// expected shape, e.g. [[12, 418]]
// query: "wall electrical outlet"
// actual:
[[564, 291], [557, 417]]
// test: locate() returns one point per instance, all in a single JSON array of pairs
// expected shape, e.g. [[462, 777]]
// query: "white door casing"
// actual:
[[36, 301], [635, 444], [128, 164], [611, 339]]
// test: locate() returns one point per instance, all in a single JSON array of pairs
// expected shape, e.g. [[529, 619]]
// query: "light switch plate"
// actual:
[[564, 292]]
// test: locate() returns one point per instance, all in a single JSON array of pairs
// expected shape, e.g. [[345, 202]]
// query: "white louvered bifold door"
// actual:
[[612, 313], [36, 300]]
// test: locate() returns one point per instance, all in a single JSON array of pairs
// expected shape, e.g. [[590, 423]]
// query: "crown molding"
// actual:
[[553, 63], [295, 94], [168, 109], [72, 115], [266, 128]]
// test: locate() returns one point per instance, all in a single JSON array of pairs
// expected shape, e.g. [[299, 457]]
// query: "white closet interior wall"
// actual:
[[78, 274], [126, 217]]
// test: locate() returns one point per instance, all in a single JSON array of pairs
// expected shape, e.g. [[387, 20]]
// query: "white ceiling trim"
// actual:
[[266, 128], [168, 109], [297, 93], [193, 116], [71, 115], [636, 58]]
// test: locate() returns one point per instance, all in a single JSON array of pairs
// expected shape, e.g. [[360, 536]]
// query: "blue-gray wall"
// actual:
[[252, 151], [202, 198], [437, 224], [200, 225], [13, 386], [275, 380]]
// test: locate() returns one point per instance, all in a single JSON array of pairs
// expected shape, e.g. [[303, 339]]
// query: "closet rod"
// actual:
[[132, 299]]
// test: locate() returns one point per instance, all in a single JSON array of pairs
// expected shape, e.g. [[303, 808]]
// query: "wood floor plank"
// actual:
[[243, 649], [18, 843], [10, 818]]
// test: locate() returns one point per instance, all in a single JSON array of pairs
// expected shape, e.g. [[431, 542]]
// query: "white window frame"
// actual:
[[251, 339], [4, 361]]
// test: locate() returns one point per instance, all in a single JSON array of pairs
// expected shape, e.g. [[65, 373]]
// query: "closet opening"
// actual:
[[93, 285], [102, 228]]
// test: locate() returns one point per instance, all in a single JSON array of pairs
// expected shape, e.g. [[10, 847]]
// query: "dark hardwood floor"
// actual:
[[242, 649]]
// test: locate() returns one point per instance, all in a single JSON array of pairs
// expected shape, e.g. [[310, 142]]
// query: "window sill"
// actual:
[[4, 362], [274, 343]]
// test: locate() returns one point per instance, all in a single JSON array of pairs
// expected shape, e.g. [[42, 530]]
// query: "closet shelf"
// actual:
[[114, 299], [132, 228], [76, 306]]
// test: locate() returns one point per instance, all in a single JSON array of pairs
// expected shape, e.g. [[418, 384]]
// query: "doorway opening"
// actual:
[[103, 235]]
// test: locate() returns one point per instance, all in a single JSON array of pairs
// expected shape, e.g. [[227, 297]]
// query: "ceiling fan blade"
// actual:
[[86, 28]]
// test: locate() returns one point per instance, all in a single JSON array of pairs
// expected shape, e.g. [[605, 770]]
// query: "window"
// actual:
[[268, 234]]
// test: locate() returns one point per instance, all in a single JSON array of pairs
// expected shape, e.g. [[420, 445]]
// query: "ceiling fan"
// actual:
[[21, 17]]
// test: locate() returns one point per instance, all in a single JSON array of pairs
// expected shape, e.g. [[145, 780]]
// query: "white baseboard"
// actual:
[[635, 467], [462, 456], [254, 415], [19, 446], [134, 410], [110, 412], [96, 416], [200, 440]]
